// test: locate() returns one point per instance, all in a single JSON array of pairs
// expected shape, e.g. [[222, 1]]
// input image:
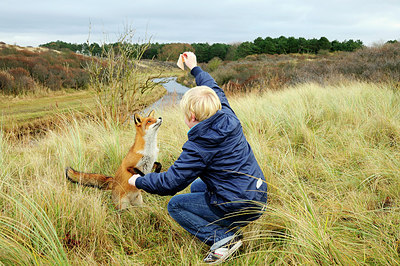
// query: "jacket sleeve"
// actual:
[[205, 79], [184, 171]]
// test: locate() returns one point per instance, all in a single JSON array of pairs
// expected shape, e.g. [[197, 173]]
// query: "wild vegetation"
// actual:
[[37, 84], [34, 70], [281, 60], [325, 129], [330, 154], [379, 64], [29, 70]]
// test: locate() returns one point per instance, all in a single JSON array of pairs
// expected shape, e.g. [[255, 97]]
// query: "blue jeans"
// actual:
[[209, 224]]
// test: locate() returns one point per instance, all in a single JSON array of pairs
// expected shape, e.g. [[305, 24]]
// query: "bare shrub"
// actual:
[[214, 63], [53, 81], [40, 72], [81, 78], [117, 80], [224, 74], [23, 82], [6, 82], [18, 72], [380, 63]]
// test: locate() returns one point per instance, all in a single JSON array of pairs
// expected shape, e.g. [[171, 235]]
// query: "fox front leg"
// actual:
[[157, 167], [135, 171]]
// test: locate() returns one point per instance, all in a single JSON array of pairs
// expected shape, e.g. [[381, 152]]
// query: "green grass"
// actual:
[[18, 111], [331, 156], [33, 111]]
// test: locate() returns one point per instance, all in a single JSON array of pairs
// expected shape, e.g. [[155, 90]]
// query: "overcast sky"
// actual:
[[30, 23]]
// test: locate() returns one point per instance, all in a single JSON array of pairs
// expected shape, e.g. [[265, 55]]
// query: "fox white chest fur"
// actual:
[[149, 152]]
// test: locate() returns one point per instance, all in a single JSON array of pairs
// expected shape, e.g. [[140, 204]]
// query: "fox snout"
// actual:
[[158, 123]]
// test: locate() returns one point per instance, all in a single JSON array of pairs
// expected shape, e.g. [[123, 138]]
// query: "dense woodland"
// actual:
[[205, 52]]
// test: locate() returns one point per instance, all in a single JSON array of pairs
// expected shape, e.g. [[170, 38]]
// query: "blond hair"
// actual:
[[202, 101]]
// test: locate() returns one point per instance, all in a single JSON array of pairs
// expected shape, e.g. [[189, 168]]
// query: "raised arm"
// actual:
[[205, 79]]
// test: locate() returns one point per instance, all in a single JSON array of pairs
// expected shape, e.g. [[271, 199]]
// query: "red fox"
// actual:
[[140, 159]]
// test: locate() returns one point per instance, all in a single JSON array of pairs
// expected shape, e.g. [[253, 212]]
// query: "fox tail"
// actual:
[[90, 180]]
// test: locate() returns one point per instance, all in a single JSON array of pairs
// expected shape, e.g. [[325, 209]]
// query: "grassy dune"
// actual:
[[19, 111], [330, 154], [23, 115]]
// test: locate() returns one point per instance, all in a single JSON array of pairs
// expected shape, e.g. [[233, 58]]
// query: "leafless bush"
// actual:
[[117, 79], [6, 82]]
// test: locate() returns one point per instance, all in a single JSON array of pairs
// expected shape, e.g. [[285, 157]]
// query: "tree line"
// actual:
[[205, 52]]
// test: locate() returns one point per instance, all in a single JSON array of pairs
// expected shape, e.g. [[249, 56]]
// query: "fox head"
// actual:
[[147, 125]]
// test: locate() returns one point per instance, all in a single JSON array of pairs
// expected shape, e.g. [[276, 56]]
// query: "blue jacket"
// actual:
[[217, 152]]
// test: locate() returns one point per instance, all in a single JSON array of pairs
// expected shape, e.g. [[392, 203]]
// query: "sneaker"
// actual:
[[221, 254]]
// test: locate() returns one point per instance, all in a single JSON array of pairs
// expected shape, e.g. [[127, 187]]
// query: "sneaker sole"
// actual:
[[227, 255]]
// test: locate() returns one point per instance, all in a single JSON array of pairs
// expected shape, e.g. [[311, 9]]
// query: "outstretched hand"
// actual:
[[190, 60], [132, 180]]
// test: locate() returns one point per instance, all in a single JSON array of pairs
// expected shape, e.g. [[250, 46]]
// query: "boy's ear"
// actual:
[[151, 114], [193, 117], [138, 118]]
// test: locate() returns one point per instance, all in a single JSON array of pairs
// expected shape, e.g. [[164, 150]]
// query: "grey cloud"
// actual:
[[200, 21]]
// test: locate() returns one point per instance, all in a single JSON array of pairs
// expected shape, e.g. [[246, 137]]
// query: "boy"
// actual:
[[231, 190]]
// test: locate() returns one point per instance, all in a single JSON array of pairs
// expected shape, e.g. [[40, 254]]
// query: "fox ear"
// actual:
[[151, 114], [138, 118]]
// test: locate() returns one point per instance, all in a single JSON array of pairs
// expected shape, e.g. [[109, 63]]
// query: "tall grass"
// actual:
[[332, 159], [330, 154]]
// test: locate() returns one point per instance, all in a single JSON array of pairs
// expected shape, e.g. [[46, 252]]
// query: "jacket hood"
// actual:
[[214, 129]]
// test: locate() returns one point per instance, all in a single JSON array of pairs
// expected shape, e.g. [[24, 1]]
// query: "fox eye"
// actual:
[[148, 122]]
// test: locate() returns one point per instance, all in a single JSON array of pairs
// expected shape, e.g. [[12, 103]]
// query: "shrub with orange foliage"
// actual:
[[18, 72], [55, 70], [6, 82], [22, 81]]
